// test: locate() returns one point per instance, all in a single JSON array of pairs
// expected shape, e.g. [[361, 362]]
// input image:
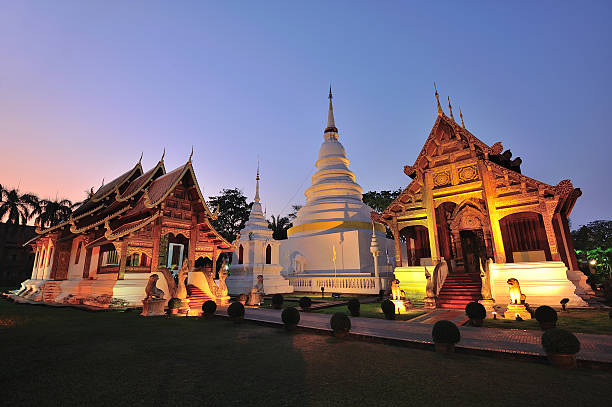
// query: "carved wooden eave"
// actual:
[[515, 176], [102, 221], [221, 239], [458, 132], [126, 229]]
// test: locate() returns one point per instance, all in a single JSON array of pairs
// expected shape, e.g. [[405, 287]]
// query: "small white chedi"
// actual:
[[256, 254], [332, 232]]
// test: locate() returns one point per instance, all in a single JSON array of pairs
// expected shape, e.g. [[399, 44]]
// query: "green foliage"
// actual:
[[475, 310], [233, 212], [340, 322], [305, 303], [593, 241], [209, 307], [388, 308], [235, 310], [279, 226], [445, 332], [354, 307], [290, 316], [379, 201], [558, 340], [174, 303]]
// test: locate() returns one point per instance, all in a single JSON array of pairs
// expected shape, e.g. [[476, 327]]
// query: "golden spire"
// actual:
[[438, 100], [461, 115], [163, 155], [451, 109], [190, 155], [331, 123], [140, 160]]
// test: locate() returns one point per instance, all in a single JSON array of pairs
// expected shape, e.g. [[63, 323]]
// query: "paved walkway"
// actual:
[[594, 348]]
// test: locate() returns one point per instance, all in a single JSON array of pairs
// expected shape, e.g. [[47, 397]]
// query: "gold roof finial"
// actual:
[[140, 160], [438, 100], [190, 155], [163, 155], [451, 109], [461, 115]]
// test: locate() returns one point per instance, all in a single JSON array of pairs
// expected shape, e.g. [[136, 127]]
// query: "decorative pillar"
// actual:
[[398, 244], [121, 248], [430, 210], [34, 269], [550, 235], [489, 194], [375, 250]]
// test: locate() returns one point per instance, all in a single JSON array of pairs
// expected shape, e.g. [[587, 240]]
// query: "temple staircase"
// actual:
[[196, 298], [459, 289], [51, 290]]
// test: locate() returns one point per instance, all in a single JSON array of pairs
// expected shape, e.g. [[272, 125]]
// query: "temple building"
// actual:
[[329, 244], [470, 209], [256, 254], [139, 224]]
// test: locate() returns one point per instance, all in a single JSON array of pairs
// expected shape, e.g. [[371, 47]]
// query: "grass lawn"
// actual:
[[575, 320], [65, 356], [373, 310]]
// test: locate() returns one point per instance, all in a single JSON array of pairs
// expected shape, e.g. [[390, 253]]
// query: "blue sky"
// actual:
[[86, 86]]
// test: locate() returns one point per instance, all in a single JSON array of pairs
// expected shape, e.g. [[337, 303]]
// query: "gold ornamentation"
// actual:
[[442, 179], [467, 174]]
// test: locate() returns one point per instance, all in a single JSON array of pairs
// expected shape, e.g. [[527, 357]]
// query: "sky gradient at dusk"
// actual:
[[85, 87]]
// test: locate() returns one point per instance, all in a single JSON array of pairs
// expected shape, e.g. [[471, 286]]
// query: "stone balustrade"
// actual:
[[340, 284]]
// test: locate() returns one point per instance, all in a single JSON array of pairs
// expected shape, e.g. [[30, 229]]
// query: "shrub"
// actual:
[[277, 301], [236, 311], [242, 298], [445, 332], [475, 310], [564, 302], [305, 303], [354, 307], [388, 308], [560, 341], [290, 317], [546, 316], [174, 303], [340, 323], [209, 308]]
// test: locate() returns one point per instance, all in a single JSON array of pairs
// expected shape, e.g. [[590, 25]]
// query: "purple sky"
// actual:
[[86, 86]]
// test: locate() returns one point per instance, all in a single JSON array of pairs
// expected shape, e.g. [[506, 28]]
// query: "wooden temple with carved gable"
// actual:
[[469, 202], [139, 224]]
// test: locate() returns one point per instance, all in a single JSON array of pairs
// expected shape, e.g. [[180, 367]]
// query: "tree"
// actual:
[[52, 213], [279, 226], [294, 212], [593, 242], [379, 201], [14, 206], [233, 212]]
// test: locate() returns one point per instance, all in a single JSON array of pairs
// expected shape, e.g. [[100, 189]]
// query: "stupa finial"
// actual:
[[257, 184], [461, 115], [331, 123], [451, 109], [438, 100]]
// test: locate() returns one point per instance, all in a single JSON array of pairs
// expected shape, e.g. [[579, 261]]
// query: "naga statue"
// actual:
[[221, 289], [151, 290], [181, 289], [485, 277], [429, 287]]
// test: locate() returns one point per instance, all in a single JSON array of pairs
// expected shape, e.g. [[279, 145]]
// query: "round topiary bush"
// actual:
[[445, 332], [354, 307], [476, 313], [174, 303], [340, 324], [546, 317], [236, 311], [242, 298], [388, 308], [290, 317], [209, 308], [277, 301], [555, 341], [305, 303]]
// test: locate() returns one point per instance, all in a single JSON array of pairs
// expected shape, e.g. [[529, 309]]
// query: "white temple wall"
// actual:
[[75, 270]]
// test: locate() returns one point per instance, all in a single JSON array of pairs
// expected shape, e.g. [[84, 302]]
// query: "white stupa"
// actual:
[[334, 222], [256, 254]]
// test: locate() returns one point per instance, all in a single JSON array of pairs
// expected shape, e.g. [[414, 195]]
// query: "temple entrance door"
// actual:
[[472, 244]]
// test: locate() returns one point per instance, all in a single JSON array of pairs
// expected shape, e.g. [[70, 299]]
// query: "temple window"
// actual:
[[524, 237], [268, 254], [110, 258], [240, 255]]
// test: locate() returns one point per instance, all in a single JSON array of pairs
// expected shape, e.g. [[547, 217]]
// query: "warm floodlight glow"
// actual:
[[593, 262]]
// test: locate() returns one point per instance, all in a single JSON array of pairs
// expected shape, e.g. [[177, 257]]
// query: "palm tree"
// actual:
[[13, 206], [52, 213], [88, 195], [279, 226]]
